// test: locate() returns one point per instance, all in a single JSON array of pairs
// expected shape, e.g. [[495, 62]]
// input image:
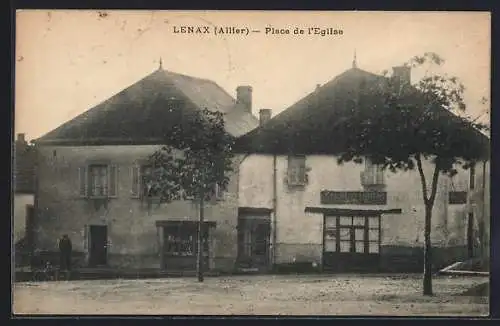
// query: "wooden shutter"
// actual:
[[83, 182], [112, 181], [135, 176], [301, 169], [292, 171]]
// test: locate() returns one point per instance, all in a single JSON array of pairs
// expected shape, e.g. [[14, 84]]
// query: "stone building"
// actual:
[[90, 179]]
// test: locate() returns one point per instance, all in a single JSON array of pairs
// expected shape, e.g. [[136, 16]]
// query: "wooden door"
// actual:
[[98, 246], [253, 242]]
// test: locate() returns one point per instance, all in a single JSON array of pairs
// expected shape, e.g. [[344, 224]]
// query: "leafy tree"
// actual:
[[193, 163], [399, 126]]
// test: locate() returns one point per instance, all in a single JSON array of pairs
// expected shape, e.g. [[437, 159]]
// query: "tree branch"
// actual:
[[422, 177]]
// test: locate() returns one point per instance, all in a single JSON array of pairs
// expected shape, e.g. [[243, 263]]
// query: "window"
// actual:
[[372, 175], [352, 234], [217, 193], [296, 174], [373, 235], [457, 197], [141, 181], [182, 241], [98, 181], [330, 234]]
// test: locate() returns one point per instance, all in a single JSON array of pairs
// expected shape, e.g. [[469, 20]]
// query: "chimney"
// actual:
[[21, 138], [402, 74], [244, 98], [264, 116]]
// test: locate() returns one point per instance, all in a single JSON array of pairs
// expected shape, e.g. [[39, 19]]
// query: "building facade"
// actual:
[[355, 217], [315, 212], [91, 174]]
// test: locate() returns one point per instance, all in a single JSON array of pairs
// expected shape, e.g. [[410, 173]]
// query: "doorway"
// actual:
[[254, 242], [351, 243], [98, 245]]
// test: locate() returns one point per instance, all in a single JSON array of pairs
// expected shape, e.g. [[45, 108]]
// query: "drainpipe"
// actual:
[[275, 206]]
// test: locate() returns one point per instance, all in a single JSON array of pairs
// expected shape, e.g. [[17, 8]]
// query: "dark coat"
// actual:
[[65, 246]]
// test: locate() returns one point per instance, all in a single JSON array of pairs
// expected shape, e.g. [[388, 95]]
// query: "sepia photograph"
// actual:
[[249, 163]]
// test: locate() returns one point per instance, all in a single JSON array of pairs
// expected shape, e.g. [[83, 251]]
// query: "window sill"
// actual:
[[97, 197], [297, 185]]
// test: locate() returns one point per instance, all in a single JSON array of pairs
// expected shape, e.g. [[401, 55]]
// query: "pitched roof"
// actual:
[[308, 125], [145, 112], [314, 124]]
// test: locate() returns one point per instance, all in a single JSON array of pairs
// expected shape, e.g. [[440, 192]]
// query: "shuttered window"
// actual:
[[296, 170], [140, 176], [372, 174], [98, 181]]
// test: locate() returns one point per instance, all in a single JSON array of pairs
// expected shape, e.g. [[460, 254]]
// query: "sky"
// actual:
[[69, 61]]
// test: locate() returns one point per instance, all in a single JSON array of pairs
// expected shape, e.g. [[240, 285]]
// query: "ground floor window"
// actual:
[[352, 234], [182, 240], [180, 245]]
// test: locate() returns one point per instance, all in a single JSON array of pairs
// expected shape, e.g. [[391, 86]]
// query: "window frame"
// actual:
[[91, 183], [297, 170], [86, 180], [183, 237], [342, 232], [373, 174]]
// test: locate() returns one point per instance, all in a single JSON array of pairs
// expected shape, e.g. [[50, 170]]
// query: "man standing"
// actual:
[[65, 251]]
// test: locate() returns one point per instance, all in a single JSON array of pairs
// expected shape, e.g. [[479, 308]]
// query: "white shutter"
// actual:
[[112, 181], [83, 182], [135, 176]]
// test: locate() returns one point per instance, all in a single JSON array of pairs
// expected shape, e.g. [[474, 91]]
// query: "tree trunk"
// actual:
[[427, 251], [470, 236], [199, 256], [429, 202]]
